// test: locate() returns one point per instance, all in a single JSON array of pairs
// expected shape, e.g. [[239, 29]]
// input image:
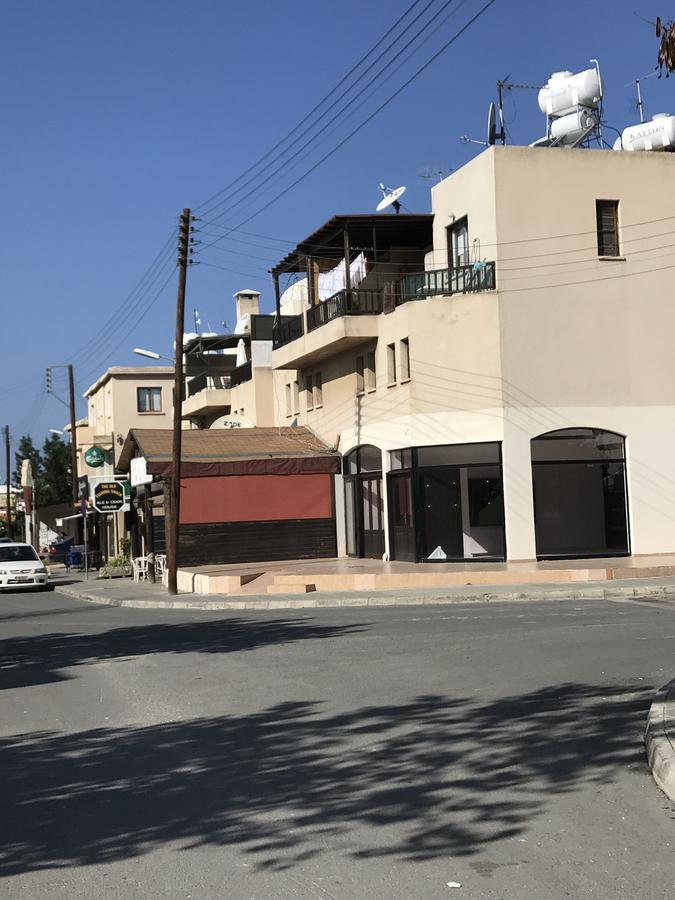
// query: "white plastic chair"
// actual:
[[140, 568], [160, 567]]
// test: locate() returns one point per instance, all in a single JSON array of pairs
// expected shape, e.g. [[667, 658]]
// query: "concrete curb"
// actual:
[[409, 597], [660, 739]]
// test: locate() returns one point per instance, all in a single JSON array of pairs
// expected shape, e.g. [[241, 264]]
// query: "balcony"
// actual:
[[241, 374], [349, 318], [460, 280], [287, 329], [344, 303], [206, 394]]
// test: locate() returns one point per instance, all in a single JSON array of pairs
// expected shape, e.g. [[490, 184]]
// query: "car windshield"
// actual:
[[17, 553]]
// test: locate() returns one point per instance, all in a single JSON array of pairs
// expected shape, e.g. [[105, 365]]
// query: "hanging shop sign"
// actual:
[[110, 497], [94, 457]]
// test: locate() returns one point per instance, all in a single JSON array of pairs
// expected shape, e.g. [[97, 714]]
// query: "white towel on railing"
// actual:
[[333, 281]]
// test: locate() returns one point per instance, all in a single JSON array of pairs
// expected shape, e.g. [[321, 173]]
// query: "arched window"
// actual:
[[579, 485]]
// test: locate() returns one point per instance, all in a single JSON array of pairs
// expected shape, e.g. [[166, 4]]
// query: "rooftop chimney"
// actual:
[[247, 302]]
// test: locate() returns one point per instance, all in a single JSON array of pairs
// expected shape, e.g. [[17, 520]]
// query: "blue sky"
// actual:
[[116, 116]]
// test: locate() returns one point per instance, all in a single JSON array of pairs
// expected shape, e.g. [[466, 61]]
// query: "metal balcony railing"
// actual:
[[241, 374], [207, 383], [287, 329], [460, 280], [344, 303]]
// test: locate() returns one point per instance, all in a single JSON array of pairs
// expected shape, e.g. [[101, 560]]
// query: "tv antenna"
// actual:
[[496, 113], [638, 94], [434, 173], [390, 198]]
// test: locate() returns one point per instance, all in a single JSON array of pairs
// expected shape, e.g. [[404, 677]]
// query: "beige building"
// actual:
[[124, 397], [229, 380], [505, 386]]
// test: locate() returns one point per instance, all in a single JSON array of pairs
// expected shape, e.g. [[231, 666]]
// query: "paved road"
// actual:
[[350, 753]]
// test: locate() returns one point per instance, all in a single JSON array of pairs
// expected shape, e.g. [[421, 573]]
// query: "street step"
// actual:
[[293, 587]]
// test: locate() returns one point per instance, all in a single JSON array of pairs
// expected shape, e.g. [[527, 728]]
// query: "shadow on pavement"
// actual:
[[433, 777], [41, 659]]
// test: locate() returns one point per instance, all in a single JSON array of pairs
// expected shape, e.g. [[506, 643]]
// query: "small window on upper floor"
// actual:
[[391, 365], [149, 399], [359, 375], [309, 391], [607, 218], [371, 375], [289, 400], [296, 398], [404, 357], [318, 390]]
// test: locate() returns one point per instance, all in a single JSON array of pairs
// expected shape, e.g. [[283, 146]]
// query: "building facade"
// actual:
[[122, 398], [504, 390]]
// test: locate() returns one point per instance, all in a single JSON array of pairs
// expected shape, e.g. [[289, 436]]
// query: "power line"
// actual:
[[313, 110], [299, 138], [369, 118]]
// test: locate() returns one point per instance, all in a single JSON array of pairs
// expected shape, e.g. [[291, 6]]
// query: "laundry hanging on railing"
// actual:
[[332, 282]]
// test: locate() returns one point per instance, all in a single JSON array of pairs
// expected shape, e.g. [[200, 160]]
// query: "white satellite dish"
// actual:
[[390, 198]]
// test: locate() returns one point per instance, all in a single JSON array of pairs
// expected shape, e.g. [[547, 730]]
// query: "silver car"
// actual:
[[21, 567]]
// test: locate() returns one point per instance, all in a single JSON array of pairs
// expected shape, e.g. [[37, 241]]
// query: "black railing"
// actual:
[[344, 303], [241, 374], [460, 280], [287, 329], [207, 383]]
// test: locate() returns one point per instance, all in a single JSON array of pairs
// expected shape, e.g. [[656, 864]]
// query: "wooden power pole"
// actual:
[[8, 497], [174, 487], [73, 433]]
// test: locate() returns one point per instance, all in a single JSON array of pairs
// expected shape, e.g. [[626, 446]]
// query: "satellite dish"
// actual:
[[492, 125], [390, 198]]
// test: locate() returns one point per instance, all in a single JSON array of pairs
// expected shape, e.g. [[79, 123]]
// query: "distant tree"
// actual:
[[27, 450], [54, 484]]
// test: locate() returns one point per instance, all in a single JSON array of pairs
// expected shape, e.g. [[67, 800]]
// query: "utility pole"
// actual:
[[8, 520], [73, 433], [174, 487]]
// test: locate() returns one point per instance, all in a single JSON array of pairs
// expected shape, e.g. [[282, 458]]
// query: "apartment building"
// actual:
[[229, 379], [122, 398], [501, 383]]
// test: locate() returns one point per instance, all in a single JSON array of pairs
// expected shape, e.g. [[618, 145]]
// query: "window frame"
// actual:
[[370, 372], [309, 391], [148, 391], [391, 365], [607, 240], [404, 359], [318, 390]]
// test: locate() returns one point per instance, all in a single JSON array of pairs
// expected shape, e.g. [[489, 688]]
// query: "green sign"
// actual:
[[94, 457]]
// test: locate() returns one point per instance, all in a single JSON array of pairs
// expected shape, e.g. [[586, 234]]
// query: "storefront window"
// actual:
[[579, 485]]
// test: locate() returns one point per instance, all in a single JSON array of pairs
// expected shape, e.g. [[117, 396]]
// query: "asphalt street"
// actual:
[[324, 754]]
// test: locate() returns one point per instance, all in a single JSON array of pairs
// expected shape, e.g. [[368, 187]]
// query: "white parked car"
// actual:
[[20, 566]]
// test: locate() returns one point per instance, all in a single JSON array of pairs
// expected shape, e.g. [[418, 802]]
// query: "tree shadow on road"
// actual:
[[42, 659], [429, 778]]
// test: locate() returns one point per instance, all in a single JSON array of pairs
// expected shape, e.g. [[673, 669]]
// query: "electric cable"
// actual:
[[298, 139], [312, 111]]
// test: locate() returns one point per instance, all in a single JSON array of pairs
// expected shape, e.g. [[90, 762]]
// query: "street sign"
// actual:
[[94, 457], [109, 497]]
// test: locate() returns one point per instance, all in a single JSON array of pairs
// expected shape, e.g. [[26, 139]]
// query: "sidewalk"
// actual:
[[124, 592], [660, 739]]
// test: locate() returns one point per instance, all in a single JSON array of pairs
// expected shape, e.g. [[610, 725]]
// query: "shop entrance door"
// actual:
[[372, 525]]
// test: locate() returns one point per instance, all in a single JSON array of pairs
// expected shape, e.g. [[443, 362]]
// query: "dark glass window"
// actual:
[[149, 399], [579, 485], [458, 455], [607, 216], [400, 459]]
